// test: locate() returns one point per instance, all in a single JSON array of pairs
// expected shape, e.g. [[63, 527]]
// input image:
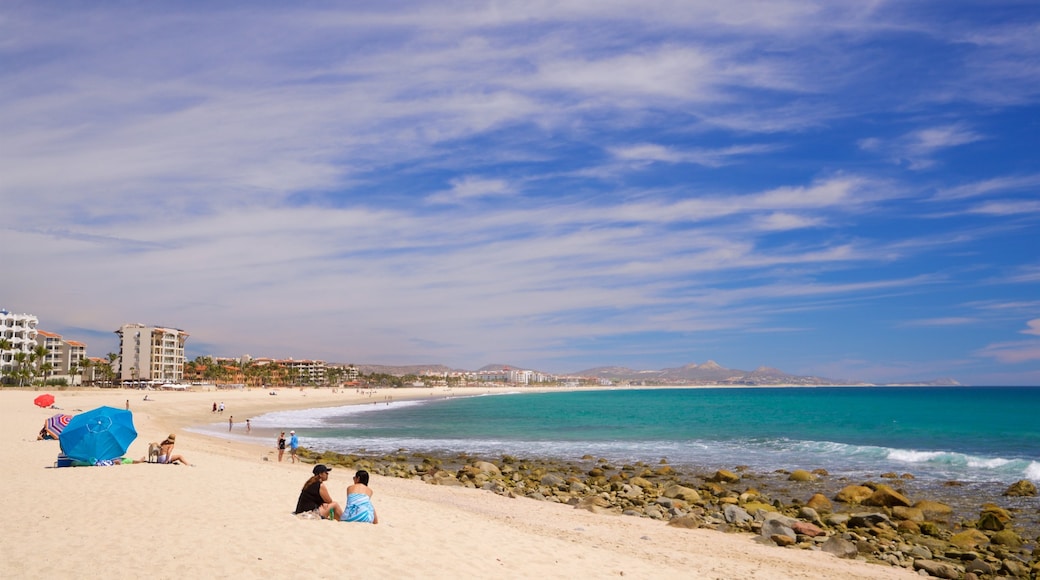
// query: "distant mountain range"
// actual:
[[708, 373]]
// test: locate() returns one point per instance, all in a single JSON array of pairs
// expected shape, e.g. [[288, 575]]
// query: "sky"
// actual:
[[847, 189]]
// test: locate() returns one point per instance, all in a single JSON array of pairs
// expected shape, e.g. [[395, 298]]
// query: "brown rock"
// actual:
[[854, 494], [688, 522], [681, 492], [937, 569], [725, 476], [807, 529], [933, 510], [908, 513], [1007, 538], [1023, 488], [782, 540], [885, 496], [993, 518], [909, 527], [801, 475], [664, 470], [820, 503], [969, 539]]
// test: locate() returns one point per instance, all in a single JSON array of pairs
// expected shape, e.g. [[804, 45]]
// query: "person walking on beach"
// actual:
[[230, 422], [281, 445], [294, 443], [214, 406], [220, 409], [249, 428], [359, 501]]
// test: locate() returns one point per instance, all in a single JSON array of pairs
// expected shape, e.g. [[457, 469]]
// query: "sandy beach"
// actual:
[[230, 514]]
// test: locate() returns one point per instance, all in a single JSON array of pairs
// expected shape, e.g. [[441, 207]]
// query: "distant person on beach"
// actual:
[[166, 452], [249, 428], [359, 501], [128, 404], [281, 445], [315, 496], [294, 444], [230, 422], [214, 406], [220, 409]]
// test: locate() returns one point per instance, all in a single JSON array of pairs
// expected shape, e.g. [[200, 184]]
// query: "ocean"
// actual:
[[966, 434]]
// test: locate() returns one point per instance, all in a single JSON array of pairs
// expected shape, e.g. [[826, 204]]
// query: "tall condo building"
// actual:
[[63, 356], [19, 332], [151, 353]]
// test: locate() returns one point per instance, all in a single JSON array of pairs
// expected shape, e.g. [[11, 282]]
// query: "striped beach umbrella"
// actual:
[[56, 424]]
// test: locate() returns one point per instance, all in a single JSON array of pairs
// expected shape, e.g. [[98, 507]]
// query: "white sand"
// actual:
[[229, 516]]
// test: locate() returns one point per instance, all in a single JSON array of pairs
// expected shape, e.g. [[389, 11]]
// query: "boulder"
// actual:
[[933, 510], [885, 496], [938, 569], [777, 525], [908, 513], [552, 480], [840, 547], [688, 522], [641, 482], [1007, 538], [724, 476], [487, 467], [1023, 488], [853, 494], [782, 540], [801, 475], [595, 504], [810, 515], [993, 518], [868, 520], [807, 529], [681, 492], [968, 539], [736, 515], [820, 503]]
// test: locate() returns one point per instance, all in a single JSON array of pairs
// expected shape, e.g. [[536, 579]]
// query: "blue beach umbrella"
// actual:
[[97, 435]]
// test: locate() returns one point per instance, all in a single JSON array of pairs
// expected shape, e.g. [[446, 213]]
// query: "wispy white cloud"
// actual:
[[918, 148], [1033, 327]]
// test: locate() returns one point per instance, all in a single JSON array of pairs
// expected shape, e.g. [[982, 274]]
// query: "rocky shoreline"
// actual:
[[948, 530]]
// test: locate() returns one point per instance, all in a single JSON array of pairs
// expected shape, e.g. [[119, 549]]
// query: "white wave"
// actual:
[[317, 418], [912, 456], [984, 463], [1033, 471]]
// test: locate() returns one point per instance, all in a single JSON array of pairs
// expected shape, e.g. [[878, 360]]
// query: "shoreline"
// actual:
[[229, 515]]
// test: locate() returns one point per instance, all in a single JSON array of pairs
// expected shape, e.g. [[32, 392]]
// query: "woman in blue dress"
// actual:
[[359, 501]]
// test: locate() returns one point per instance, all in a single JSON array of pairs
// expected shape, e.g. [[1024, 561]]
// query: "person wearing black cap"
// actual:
[[315, 497]]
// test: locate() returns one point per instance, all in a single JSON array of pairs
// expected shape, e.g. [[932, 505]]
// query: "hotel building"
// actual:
[[150, 353], [19, 330]]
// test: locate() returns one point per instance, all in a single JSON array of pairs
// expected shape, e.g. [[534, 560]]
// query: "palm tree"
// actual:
[[85, 364], [110, 373], [5, 345], [21, 367]]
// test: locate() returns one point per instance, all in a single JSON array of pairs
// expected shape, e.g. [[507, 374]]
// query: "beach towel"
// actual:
[[359, 509]]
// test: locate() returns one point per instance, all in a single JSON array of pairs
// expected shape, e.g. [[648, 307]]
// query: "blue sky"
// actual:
[[845, 189]]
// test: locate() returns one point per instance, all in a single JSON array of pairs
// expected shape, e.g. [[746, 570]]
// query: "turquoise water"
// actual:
[[964, 433]]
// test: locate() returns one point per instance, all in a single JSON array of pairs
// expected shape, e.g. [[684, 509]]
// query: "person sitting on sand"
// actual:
[[359, 501], [166, 452], [315, 496]]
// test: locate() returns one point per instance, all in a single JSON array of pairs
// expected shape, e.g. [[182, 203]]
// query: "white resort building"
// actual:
[[150, 353], [19, 333], [63, 356]]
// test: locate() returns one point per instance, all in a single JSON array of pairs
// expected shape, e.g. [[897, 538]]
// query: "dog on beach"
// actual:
[[153, 452]]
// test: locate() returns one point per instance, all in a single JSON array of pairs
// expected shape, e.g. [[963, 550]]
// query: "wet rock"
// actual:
[[820, 503], [885, 496], [1007, 538], [933, 510], [853, 494], [908, 513], [938, 569], [1023, 488], [969, 539], [724, 476], [868, 520], [840, 547], [801, 475], [993, 518], [552, 480]]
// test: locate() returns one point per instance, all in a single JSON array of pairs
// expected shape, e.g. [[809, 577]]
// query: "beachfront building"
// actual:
[[63, 358], [150, 353], [17, 340], [304, 372]]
